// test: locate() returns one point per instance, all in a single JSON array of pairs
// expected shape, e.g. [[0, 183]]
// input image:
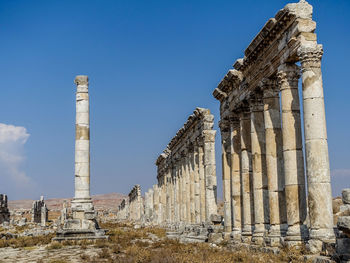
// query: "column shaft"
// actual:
[[259, 170], [288, 76], [226, 178], [316, 146], [82, 146], [236, 194], [246, 174], [210, 173], [274, 161]]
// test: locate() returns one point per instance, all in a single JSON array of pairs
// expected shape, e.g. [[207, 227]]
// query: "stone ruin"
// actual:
[[4, 211], [40, 212], [135, 204], [185, 198], [83, 222], [264, 168], [262, 144], [343, 240], [123, 210]]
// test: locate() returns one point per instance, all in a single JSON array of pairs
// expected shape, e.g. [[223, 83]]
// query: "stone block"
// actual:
[[344, 224], [216, 219], [343, 248], [346, 196]]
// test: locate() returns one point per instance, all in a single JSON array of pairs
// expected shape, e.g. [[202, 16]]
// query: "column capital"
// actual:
[[310, 57], [269, 87], [288, 75], [209, 136], [256, 103], [224, 125], [81, 80], [82, 83]]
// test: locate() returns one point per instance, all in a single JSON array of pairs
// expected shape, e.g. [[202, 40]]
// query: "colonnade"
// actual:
[[264, 164], [186, 192]]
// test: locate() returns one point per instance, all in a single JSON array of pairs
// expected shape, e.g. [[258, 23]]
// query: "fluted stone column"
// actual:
[[210, 173], [202, 183], [259, 171], [184, 190], [274, 161], [246, 174], [197, 200], [82, 199], [192, 184], [188, 188], [236, 194], [226, 176], [316, 146], [177, 193], [155, 204], [288, 75]]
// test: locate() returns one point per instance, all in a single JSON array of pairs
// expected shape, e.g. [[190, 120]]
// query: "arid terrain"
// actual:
[[101, 202], [127, 244]]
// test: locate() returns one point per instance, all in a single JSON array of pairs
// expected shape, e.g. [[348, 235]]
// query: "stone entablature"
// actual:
[[4, 211], [263, 160], [186, 189]]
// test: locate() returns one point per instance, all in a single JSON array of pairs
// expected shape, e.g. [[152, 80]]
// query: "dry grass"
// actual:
[[26, 241], [129, 245]]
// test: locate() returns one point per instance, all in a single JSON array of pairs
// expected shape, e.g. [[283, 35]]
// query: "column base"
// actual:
[[319, 239], [246, 234], [296, 235], [82, 204], [258, 235], [274, 236], [236, 234]]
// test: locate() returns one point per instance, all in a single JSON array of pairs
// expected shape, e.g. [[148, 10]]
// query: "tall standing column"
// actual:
[[210, 173], [288, 75], [246, 174], [226, 178], [177, 193], [259, 171], [316, 146], [202, 183], [184, 189], [236, 193], [274, 160], [188, 187], [192, 185], [197, 201], [82, 199]]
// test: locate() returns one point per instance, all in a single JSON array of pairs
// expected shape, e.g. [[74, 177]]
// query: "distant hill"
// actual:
[[101, 202]]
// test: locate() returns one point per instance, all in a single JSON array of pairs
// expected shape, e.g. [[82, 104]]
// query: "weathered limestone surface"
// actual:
[[83, 223], [40, 212], [185, 198], [272, 200], [343, 239], [135, 204], [4, 211], [123, 210]]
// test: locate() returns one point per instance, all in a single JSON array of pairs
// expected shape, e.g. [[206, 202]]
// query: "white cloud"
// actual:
[[12, 141]]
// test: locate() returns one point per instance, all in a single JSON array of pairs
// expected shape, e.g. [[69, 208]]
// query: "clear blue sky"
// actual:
[[150, 63]]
